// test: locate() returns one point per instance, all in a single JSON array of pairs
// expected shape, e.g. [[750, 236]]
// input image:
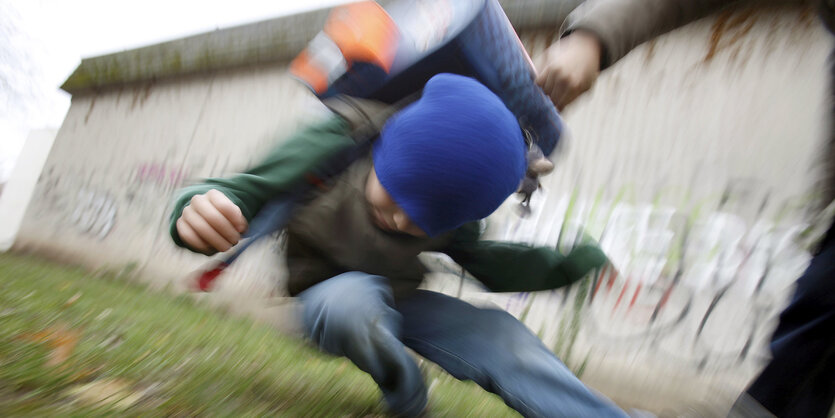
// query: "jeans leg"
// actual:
[[799, 381], [494, 349], [351, 315]]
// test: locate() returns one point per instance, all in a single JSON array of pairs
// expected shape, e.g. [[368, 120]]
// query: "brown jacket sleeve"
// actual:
[[621, 25]]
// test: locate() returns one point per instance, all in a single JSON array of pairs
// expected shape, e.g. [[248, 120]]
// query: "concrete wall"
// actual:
[[690, 160]]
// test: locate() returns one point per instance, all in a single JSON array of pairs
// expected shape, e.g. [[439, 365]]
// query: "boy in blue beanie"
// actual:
[[443, 162]]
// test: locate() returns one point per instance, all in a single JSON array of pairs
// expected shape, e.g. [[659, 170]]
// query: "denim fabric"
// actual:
[[354, 315]]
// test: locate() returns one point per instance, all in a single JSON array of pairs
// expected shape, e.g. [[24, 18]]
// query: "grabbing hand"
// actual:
[[211, 223], [569, 67]]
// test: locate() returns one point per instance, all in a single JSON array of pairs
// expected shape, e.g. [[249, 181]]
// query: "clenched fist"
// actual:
[[211, 223], [569, 67]]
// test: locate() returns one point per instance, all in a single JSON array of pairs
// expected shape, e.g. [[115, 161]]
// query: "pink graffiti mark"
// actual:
[[598, 282], [160, 174], [613, 275], [608, 274], [635, 296], [620, 296]]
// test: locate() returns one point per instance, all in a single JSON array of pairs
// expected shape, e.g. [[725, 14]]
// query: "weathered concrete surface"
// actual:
[[693, 160], [690, 159]]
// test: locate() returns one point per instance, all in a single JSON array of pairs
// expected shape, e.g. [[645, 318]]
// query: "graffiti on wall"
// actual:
[[94, 213], [91, 202], [74, 202], [689, 281], [161, 174], [699, 289]]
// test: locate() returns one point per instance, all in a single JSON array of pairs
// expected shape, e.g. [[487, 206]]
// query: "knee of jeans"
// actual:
[[347, 306], [517, 347], [348, 287]]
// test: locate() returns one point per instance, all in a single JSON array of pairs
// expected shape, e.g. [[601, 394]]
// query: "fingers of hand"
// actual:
[[204, 230], [567, 95], [208, 224], [217, 221], [554, 83], [570, 69], [189, 236], [228, 209]]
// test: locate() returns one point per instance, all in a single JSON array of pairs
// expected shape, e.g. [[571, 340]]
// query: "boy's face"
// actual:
[[384, 211]]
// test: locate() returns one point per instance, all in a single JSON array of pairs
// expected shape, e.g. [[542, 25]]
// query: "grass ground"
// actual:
[[77, 344]]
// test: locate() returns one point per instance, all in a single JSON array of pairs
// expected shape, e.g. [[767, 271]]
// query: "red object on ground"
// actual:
[[205, 280]]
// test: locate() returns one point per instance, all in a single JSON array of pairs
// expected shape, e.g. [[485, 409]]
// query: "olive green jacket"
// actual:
[[332, 233]]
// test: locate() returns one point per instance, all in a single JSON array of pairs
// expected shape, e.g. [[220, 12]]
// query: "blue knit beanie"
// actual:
[[451, 157]]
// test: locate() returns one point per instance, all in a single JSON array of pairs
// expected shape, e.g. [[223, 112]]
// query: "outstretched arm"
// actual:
[[511, 267], [600, 32], [210, 216]]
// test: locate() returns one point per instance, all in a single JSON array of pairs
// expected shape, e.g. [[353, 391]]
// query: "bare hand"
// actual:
[[211, 223], [569, 67]]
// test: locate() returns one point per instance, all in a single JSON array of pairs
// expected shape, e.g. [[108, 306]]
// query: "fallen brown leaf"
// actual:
[[113, 391], [61, 341]]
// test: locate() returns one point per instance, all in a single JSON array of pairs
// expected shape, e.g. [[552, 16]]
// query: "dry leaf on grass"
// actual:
[[61, 340], [117, 392]]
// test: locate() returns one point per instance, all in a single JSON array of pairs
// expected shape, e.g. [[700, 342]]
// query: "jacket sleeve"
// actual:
[[510, 267], [621, 25], [284, 167]]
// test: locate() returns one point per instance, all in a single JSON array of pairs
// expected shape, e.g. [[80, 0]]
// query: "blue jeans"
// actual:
[[355, 315]]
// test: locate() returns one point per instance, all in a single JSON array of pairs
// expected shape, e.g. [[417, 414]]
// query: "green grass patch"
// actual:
[[74, 344]]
